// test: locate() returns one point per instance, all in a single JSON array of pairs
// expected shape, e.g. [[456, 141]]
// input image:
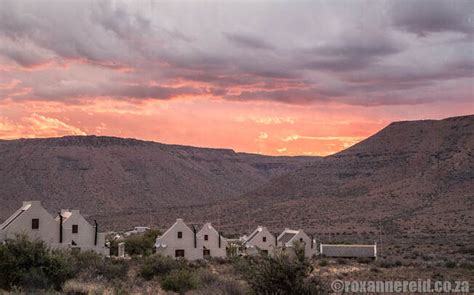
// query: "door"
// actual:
[[206, 253]]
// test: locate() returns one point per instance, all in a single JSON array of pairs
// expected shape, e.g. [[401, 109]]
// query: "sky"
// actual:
[[269, 77]]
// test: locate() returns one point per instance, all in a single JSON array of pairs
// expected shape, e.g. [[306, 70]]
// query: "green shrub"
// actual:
[[141, 244], [389, 264], [467, 265], [364, 260], [179, 281], [279, 274], [466, 250], [211, 283], [158, 265], [31, 265], [92, 265], [323, 262], [112, 269], [228, 287], [450, 264], [374, 269]]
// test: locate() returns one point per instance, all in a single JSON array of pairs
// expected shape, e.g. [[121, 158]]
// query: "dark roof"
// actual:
[[286, 237]]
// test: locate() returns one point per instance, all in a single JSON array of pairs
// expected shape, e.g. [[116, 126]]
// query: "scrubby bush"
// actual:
[[92, 265], [388, 263], [279, 274], [141, 244], [364, 260], [466, 250], [32, 265], [179, 280], [374, 269], [450, 264], [158, 265], [323, 262], [212, 283], [467, 265]]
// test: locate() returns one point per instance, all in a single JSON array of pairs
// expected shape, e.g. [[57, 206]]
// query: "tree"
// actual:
[[280, 274], [32, 265]]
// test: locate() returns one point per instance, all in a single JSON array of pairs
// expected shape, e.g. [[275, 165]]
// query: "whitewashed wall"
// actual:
[[169, 242]]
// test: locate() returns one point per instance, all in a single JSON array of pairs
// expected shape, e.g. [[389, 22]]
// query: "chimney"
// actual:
[[60, 227], [96, 232]]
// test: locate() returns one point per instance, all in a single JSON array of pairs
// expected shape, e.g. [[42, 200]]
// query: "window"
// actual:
[[206, 253], [265, 252], [301, 240], [75, 228], [206, 237], [180, 235], [179, 253], [35, 223], [264, 239]]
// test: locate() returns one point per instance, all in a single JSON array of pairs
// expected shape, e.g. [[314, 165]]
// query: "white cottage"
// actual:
[[76, 232], [260, 239], [288, 238], [33, 221], [211, 242], [179, 241], [68, 230]]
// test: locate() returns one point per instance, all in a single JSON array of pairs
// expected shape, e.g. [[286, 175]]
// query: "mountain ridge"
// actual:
[[412, 176]]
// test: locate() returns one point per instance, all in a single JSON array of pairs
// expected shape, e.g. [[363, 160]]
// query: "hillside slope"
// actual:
[[410, 177], [106, 175]]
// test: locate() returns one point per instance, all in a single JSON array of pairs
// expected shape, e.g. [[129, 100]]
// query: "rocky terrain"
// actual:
[[411, 176], [106, 175]]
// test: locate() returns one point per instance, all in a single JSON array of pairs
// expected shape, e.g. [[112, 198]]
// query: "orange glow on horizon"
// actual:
[[257, 127]]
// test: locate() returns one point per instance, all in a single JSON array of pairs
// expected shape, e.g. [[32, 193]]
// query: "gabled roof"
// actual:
[[209, 226], [286, 237], [179, 220], [253, 234], [15, 215], [258, 230]]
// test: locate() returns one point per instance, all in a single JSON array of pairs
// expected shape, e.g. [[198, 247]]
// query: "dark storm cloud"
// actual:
[[57, 92], [432, 16], [24, 57], [354, 50], [299, 53], [247, 41]]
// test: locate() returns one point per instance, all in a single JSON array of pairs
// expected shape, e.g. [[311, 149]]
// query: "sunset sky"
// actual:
[[270, 77]]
